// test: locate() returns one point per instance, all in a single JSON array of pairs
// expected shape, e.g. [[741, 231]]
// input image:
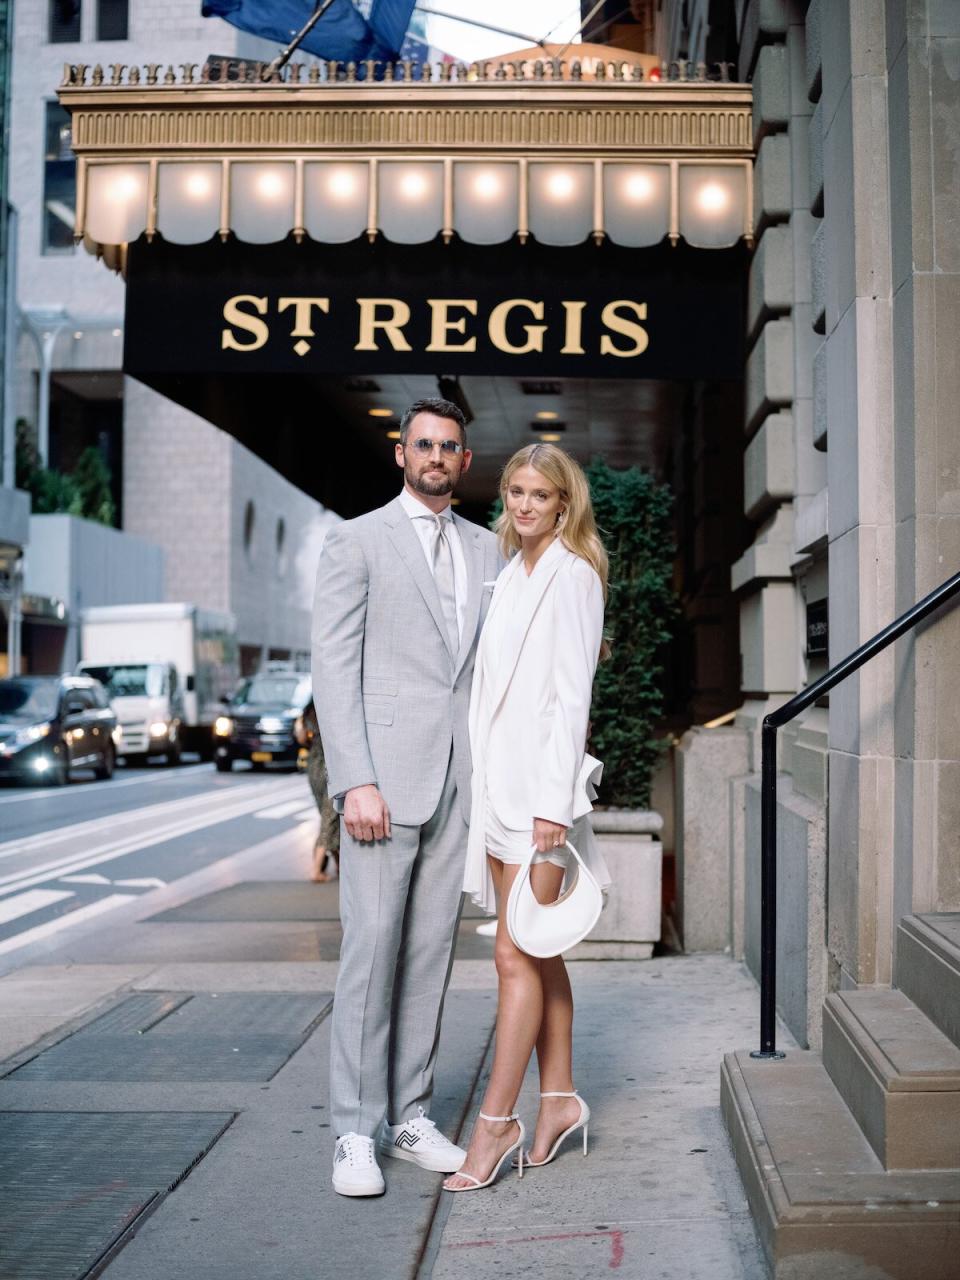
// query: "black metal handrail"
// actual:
[[768, 796]]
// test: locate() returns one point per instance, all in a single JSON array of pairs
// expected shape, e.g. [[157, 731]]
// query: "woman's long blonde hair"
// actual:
[[578, 528]]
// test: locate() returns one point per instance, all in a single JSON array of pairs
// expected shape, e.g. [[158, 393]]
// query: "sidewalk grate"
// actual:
[[71, 1184], [205, 1038], [261, 1013], [135, 1013]]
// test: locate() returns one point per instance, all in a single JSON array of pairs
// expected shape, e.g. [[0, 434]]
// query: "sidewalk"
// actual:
[[181, 1087]]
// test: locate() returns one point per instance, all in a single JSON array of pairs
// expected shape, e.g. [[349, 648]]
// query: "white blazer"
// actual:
[[528, 733]]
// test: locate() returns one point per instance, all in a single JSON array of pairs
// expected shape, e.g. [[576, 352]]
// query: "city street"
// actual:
[[69, 855]]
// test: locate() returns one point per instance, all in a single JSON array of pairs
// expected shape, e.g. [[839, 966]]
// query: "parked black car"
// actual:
[[259, 727], [50, 725]]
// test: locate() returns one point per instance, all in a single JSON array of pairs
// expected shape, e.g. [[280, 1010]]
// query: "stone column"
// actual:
[[923, 71], [856, 405]]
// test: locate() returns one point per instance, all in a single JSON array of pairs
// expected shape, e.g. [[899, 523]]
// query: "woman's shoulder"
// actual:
[[580, 571]]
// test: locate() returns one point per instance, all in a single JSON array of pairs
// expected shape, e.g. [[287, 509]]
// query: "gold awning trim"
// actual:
[[123, 112]]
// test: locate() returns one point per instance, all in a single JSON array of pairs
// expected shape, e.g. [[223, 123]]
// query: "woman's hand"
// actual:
[[548, 835]]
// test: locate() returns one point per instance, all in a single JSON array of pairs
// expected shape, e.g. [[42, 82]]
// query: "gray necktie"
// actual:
[[443, 576]]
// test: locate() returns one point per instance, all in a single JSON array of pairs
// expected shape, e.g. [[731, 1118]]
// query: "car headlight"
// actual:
[[271, 724], [159, 729], [223, 726], [32, 733]]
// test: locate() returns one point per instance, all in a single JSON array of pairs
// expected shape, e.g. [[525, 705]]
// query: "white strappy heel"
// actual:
[[518, 1164], [583, 1123]]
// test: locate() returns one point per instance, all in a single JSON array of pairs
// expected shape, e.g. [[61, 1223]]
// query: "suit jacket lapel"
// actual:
[[473, 558], [401, 533], [516, 633]]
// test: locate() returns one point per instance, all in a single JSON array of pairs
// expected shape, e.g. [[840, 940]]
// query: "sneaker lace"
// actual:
[[426, 1127], [359, 1150]]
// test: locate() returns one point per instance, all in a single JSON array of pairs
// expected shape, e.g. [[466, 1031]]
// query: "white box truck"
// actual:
[[166, 668]]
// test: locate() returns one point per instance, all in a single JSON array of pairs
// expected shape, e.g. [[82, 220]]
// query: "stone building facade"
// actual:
[[851, 465]]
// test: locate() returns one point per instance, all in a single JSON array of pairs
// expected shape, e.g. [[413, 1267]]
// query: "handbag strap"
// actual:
[[567, 844]]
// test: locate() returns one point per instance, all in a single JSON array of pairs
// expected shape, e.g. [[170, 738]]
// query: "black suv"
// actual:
[[50, 725], [259, 726]]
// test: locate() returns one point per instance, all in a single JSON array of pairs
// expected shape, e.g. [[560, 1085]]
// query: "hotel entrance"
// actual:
[[560, 247]]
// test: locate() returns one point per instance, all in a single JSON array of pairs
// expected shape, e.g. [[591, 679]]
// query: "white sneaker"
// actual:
[[420, 1141], [355, 1168]]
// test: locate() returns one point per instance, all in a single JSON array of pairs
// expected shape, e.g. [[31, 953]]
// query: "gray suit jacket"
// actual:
[[392, 697]]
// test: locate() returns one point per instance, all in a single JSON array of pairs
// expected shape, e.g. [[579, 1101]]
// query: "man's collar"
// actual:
[[414, 508]]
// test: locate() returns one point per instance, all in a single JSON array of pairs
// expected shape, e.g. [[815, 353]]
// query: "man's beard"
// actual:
[[430, 483]]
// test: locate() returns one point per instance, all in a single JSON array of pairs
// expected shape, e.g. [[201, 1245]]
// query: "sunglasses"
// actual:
[[424, 446]]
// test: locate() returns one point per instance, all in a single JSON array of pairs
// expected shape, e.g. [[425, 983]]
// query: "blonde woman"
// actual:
[[529, 712]]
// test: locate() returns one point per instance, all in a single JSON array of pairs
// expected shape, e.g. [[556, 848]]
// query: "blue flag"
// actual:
[[343, 34]]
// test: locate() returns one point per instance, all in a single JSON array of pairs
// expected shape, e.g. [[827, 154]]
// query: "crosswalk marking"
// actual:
[[306, 814], [243, 805], [91, 878], [281, 810], [255, 795], [35, 900]]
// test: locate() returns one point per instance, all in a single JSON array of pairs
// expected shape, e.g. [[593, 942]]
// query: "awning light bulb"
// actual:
[[342, 184], [560, 185], [486, 185], [713, 198], [269, 185], [639, 186], [197, 186], [413, 184]]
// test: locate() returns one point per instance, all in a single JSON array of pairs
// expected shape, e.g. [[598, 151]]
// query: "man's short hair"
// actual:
[[440, 409]]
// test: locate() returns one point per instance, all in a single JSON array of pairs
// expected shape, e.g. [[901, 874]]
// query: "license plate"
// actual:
[[261, 757]]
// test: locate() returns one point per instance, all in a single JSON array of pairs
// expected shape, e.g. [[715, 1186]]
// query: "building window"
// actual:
[[112, 19], [64, 21], [249, 523], [59, 182], [281, 547]]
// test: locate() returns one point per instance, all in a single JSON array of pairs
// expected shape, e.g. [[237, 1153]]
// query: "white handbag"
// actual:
[[545, 929]]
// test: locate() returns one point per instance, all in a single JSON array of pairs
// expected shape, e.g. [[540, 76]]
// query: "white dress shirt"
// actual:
[[424, 524]]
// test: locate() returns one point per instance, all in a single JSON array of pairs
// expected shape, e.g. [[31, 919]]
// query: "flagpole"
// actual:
[[281, 60], [472, 22]]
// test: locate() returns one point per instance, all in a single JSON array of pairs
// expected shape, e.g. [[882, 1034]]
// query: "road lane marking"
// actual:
[[281, 810], [77, 831], [34, 900], [72, 863], [99, 788], [65, 921]]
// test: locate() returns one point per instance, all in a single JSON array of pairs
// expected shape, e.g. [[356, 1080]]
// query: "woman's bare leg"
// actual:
[[519, 1015], [555, 1057]]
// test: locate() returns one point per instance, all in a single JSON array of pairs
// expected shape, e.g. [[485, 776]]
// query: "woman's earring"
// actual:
[[561, 516]]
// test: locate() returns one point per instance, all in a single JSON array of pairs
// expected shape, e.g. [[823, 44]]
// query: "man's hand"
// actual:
[[365, 813], [548, 835]]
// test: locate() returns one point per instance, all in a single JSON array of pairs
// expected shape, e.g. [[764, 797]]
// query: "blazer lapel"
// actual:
[[516, 633], [401, 533], [473, 557]]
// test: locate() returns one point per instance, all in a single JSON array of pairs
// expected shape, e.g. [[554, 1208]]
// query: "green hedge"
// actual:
[[633, 512]]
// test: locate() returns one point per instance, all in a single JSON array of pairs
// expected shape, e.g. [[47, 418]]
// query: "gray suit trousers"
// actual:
[[400, 906]]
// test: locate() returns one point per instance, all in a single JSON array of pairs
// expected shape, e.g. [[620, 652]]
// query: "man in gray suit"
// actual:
[[401, 596]]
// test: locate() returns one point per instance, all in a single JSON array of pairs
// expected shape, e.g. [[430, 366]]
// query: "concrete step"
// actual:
[[823, 1204], [898, 1074], [928, 967]]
